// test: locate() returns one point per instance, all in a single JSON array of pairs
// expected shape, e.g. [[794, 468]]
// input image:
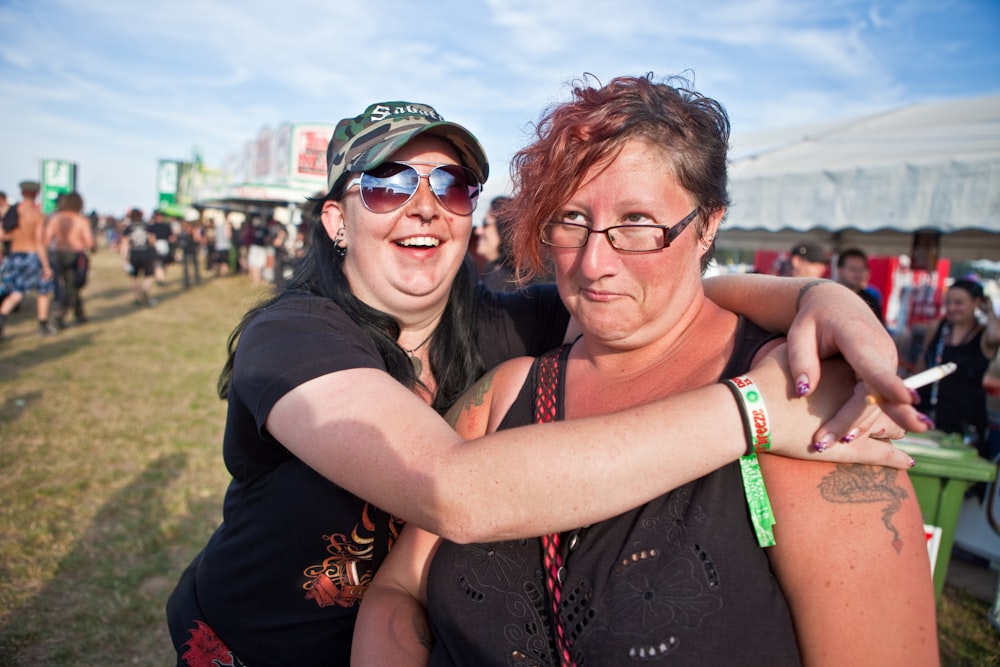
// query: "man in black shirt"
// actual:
[[852, 272]]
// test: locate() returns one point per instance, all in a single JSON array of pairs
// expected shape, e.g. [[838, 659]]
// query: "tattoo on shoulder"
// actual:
[[472, 398], [867, 484]]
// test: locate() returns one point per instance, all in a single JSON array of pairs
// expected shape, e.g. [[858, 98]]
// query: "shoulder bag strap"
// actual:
[[545, 411]]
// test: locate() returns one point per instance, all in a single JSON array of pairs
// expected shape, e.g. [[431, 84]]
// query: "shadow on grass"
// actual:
[[105, 592], [56, 346]]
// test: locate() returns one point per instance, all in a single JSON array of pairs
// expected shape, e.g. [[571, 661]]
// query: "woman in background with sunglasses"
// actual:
[[336, 385]]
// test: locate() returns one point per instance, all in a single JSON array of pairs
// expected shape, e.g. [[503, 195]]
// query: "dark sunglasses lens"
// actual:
[[388, 186], [456, 188]]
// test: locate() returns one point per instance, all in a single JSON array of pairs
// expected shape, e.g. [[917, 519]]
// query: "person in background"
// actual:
[[163, 244], [140, 257], [190, 240], [991, 385], [957, 403], [27, 268], [278, 238], [256, 240], [625, 186], [336, 386], [222, 246], [69, 237], [809, 260], [853, 273], [4, 243], [492, 246]]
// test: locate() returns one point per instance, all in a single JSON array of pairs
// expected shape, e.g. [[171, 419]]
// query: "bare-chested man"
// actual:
[[27, 266], [68, 233]]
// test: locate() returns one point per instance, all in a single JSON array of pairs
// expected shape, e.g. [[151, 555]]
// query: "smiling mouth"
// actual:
[[419, 242]]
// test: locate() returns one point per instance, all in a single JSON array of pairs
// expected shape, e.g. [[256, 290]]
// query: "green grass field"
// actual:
[[111, 475]]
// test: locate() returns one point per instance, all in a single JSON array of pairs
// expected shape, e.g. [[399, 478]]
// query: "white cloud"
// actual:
[[117, 84]]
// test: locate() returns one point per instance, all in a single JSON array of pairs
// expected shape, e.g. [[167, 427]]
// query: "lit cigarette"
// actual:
[[920, 379]]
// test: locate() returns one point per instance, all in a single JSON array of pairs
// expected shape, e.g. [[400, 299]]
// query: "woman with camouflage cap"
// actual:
[[330, 439]]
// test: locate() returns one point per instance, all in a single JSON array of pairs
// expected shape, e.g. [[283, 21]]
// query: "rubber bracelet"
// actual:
[[754, 413], [757, 432], [744, 417]]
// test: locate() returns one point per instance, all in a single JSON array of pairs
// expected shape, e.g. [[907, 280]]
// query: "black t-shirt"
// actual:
[[161, 230], [873, 302], [957, 401], [137, 234], [281, 578]]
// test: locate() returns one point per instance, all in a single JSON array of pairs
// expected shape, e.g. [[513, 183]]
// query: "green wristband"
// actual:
[[758, 434]]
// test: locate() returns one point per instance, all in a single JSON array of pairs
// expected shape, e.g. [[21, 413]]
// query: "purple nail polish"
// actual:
[[850, 436], [802, 385], [915, 396], [927, 420], [820, 445], [912, 462]]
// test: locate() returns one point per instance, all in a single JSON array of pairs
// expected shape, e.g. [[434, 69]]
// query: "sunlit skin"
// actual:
[[403, 262], [618, 297]]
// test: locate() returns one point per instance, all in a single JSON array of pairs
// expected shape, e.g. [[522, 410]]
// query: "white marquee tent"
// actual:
[[873, 182]]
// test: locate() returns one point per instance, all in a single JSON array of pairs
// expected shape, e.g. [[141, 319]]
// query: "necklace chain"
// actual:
[[422, 343], [418, 366]]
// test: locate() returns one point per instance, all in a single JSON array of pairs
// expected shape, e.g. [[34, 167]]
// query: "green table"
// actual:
[[941, 478]]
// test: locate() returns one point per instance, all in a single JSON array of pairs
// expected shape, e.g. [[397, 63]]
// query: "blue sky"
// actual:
[[115, 85]]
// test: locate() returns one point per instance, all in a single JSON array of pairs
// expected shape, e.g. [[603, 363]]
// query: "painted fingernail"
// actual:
[[851, 435], [802, 385], [912, 462], [927, 420], [915, 396], [821, 444]]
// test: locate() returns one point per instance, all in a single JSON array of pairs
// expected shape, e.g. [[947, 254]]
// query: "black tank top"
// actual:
[[680, 579], [961, 399]]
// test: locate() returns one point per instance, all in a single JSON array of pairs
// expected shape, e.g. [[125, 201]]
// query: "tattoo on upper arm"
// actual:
[[423, 632], [805, 288], [473, 397], [867, 484]]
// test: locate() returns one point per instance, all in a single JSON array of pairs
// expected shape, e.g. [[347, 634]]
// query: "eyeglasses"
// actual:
[[627, 238], [391, 184]]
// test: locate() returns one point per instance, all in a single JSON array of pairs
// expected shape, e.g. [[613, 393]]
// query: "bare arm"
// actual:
[[583, 470], [822, 318], [851, 553], [86, 234], [392, 628], [991, 338]]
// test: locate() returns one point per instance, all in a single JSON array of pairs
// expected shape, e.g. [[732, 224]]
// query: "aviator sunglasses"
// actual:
[[391, 184]]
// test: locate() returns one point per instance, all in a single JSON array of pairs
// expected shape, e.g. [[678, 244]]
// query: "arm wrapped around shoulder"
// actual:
[[793, 421]]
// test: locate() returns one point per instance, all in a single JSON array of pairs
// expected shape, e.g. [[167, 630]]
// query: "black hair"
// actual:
[[970, 286], [454, 352], [851, 252]]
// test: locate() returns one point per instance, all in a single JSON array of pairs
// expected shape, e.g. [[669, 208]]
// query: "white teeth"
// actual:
[[427, 241]]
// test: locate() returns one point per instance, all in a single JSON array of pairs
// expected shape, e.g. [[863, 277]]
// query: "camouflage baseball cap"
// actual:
[[367, 140]]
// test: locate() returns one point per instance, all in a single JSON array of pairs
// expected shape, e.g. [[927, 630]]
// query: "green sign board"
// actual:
[[58, 178], [167, 178]]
